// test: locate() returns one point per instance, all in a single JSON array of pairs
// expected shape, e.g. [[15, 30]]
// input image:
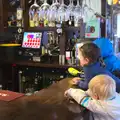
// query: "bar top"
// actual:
[[47, 104]]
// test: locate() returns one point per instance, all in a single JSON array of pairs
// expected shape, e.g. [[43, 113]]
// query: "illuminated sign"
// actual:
[[92, 29], [31, 40]]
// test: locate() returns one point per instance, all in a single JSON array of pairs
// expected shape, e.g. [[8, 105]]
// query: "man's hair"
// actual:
[[91, 51], [103, 86]]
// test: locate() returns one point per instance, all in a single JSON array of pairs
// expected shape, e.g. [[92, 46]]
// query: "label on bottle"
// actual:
[[36, 23], [73, 60], [43, 50], [19, 23], [77, 22], [63, 59], [60, 59], [46, 51], [36, 19], [67, 55], [32, 23], [70, 22], [9, 23], [19, 14], [45, 22]]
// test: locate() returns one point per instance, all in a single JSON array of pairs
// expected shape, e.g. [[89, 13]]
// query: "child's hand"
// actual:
[[75, 80], [66, 93]]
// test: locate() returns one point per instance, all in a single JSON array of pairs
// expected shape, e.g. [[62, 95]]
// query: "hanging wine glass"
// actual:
[[29, 1], [92, 10], [77, 14], [52, 13], [43, 12], [34, 14], [61, 15], [57, 4], [87, 12], [70, 10], [84, 11]]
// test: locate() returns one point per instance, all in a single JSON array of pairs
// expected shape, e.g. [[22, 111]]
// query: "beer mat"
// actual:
[[6, 95]]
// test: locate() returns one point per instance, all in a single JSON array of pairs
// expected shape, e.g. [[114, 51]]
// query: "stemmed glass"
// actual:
[[34, 14], [70, 11], [61, 15], [52, 13], [87, 10], [77, 14], [43, 10]]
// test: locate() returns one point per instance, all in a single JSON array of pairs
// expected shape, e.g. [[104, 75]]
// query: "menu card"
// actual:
[[6, 95]]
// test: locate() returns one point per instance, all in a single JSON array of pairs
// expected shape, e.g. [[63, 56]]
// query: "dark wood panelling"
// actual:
[[1, 16], [103, 11], [24, 5]]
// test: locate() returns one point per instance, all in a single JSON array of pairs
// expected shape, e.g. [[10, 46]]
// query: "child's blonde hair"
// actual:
[[103, 86]]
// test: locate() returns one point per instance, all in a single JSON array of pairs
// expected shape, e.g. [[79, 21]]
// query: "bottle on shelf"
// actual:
[[0, 87], [31, 20], [12, 20], [73, 43], [40, 81], [73, 58], [42, 48], [19, 17], [68, 52], [77, 22], [36, 18], [36, 79], [34, 15], [71, 20]]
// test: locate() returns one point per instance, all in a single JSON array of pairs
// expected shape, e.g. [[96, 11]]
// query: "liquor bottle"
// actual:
[[68, 52], [77, 22], [36, 18], [46, 23], [40, 81], [71, 20], [34, 15], [42, 48], [12, 20], [31, 16], [0, 86], [36, 81], [73, 55], [19, 17]]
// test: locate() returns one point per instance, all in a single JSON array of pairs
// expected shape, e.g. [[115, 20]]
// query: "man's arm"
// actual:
[[83, 84]]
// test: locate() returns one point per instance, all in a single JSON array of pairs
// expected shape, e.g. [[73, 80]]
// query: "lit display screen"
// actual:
[[32, 40]]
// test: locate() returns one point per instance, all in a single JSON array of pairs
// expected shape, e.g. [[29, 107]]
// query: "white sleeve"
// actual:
[[80, 97], [95, 106], [76, 94]]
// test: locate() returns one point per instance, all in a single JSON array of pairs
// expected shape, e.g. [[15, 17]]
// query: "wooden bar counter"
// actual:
[[47, 104]]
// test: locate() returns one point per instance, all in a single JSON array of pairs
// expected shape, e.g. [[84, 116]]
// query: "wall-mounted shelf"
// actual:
[[38, 64], [37, 29], [9, 45]]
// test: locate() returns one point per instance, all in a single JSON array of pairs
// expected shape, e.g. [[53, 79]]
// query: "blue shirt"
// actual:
[[91, 71]]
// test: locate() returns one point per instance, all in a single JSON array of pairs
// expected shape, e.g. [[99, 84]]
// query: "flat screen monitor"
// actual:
[[32, 40]]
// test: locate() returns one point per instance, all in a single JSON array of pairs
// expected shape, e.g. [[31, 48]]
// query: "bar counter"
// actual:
[[47, 104]]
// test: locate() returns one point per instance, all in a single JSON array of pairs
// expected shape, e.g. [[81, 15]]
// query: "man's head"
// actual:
[[88, 53]]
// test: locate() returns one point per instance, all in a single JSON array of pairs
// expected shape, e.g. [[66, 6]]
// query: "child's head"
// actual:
[[88, 53], [102, 87]]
